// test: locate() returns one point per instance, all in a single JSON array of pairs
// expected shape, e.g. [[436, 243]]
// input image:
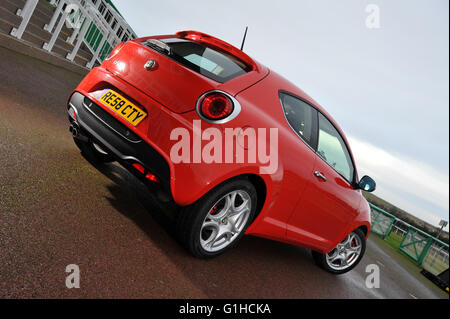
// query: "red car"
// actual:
[[239, 148]]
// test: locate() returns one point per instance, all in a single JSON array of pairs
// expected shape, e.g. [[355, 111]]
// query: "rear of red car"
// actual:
[[147, 87]]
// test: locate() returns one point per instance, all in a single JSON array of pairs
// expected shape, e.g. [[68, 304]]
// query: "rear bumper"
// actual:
[[115, 138]]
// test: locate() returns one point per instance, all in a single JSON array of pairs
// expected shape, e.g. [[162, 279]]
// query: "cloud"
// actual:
[[408, 183]]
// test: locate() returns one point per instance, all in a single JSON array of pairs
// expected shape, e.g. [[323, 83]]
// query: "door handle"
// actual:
[[320, 175]]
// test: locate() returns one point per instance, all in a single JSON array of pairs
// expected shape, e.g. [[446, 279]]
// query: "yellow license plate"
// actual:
[[123, 107]]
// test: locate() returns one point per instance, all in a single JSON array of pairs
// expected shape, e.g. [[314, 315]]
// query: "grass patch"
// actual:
[[394, 240]]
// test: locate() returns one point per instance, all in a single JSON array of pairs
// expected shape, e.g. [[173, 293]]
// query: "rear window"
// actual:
[[212, 63]]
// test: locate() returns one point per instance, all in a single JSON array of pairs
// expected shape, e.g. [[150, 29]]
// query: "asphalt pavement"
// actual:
[[57, 209]]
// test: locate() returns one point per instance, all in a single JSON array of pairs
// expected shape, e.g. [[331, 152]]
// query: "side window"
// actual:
[[301, 117], [332, 149]]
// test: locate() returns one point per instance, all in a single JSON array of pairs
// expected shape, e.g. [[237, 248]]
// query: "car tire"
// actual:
[[218, 220], [345, 256], [92, 152]]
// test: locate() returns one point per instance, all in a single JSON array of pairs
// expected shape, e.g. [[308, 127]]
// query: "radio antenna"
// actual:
[[243, 40]]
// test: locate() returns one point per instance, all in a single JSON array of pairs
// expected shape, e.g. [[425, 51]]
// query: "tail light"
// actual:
[[115, 51], [147, 174], [139, 167], [217, 107], [152, 177]]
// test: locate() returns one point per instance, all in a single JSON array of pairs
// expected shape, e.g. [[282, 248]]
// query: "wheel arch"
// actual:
[[257, 181], [261, 191], [364, 229]]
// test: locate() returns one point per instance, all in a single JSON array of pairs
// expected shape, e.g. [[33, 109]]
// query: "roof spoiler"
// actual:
[[212, 41]]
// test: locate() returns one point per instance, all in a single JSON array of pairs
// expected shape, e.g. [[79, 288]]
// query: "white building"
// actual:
[[82, 31]]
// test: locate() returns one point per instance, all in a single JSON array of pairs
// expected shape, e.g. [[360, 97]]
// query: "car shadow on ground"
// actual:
[[256, 268]]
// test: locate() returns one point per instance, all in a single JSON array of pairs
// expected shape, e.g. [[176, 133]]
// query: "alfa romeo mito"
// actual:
[[238, 148]]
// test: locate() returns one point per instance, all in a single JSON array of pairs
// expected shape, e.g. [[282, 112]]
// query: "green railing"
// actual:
[[382, 221], [424, 249]]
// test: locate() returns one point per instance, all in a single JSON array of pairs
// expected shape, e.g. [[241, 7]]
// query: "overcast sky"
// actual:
[[387, 87]]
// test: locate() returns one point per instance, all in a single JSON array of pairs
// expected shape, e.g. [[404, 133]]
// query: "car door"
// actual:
[[330, 202]]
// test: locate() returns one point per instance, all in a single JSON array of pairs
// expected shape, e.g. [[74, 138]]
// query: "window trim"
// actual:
[[315, 127], [352, 183]]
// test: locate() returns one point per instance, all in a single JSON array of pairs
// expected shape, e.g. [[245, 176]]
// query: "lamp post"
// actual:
[[442, 223]]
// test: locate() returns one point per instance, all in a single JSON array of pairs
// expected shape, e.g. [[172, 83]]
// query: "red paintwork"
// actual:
[[299, 208]]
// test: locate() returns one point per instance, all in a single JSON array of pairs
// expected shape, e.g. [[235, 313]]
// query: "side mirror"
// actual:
[[367, 184]]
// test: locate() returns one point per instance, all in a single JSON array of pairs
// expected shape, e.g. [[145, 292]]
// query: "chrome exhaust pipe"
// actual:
[[73, 129], [76, 133]]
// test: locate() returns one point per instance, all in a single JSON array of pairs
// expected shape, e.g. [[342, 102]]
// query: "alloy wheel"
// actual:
[[225, 220], [346, 253]]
